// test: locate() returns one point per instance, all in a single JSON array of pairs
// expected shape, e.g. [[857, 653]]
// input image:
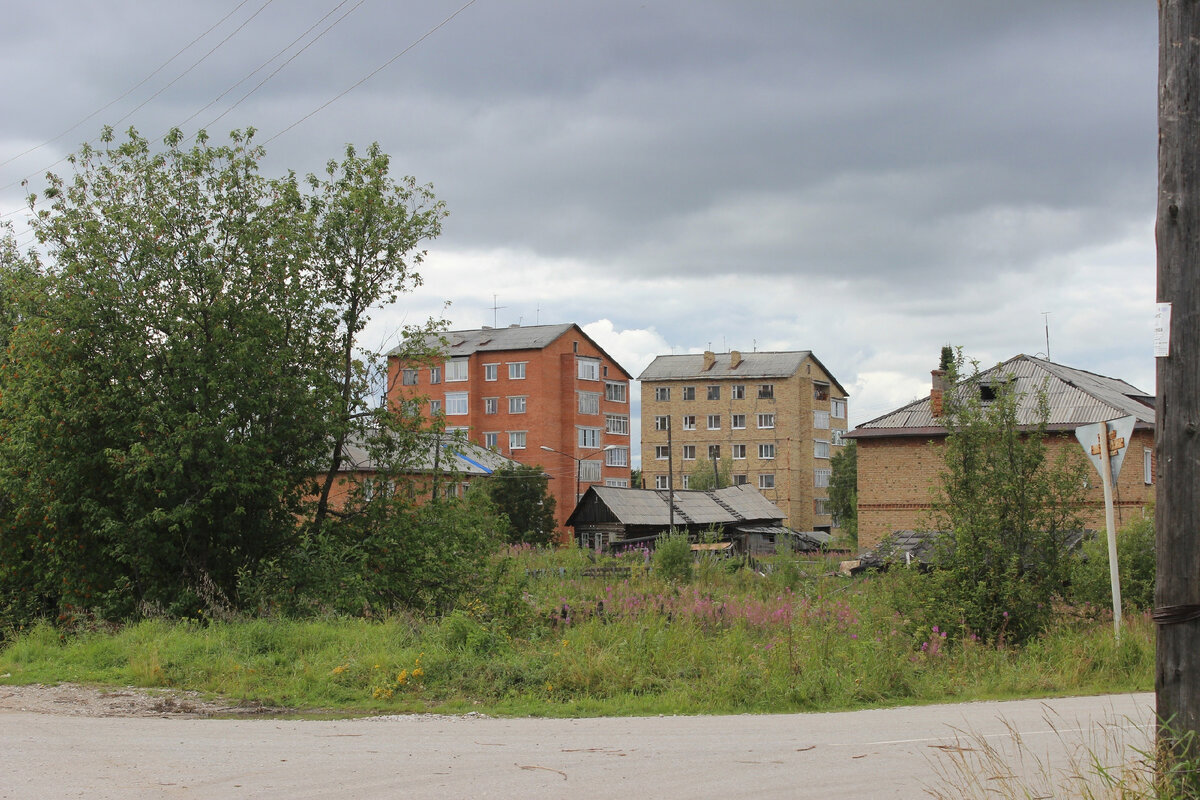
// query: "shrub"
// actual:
[[673, 557], [1135, 561]]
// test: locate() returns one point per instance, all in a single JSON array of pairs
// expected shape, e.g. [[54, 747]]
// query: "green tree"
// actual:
[[702, 478], [1006, 509], [1090, 580], [522, 494], [843, 490], [180, 375]]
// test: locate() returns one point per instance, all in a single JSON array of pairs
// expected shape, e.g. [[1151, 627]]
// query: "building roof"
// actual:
[[690, 366], [457, 456], [1075, 397], [514, 337], [731, 505]]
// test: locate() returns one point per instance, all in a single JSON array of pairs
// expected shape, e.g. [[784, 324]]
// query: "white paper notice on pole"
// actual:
[[1162, 330]]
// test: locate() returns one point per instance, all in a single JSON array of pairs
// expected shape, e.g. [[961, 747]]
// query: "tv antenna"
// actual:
[[495, 314], [1046, 320]]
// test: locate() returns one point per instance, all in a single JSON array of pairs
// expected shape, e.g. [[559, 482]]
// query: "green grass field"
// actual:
[[546, 638]]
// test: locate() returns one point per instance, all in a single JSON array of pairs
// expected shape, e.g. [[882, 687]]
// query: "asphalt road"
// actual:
[[885, 753]]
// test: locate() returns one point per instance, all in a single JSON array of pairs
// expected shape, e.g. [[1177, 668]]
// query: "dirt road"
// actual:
[[58, 748]]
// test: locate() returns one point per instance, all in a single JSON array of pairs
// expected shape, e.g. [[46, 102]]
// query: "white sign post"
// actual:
[[1104, 443]]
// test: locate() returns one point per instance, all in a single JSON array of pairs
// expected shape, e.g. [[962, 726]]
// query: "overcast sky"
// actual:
[[867, 180]]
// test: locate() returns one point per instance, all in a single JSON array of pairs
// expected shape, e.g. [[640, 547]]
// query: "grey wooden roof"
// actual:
[[734, 504], [457, 456], [690, 366], [514, 337], [1075, 396]]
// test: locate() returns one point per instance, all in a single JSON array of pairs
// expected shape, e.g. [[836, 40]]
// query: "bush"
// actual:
[[1135, 562], [673, 557]]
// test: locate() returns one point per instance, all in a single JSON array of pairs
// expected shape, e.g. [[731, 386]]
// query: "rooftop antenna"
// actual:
[[537, 320], [754, 345], [495, 314], [1046, 319]]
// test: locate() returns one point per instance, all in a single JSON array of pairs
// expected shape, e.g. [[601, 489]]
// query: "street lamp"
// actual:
[[579, 461]]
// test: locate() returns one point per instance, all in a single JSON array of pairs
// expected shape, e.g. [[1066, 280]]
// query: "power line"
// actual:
[[130, 91], [372, 74]]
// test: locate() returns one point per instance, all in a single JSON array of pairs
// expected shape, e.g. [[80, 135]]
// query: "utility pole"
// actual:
[[1177, 411], [670, 479]]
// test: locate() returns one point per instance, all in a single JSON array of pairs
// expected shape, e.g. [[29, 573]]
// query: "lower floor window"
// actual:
[[766, 481]]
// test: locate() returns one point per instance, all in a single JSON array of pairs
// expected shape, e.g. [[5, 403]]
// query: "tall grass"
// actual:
[[548, 636]]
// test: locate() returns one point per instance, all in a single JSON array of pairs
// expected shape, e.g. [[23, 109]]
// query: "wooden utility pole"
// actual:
[[1177, 412]]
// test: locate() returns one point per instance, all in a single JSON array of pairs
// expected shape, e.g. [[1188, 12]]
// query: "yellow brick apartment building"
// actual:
[[777, 418]]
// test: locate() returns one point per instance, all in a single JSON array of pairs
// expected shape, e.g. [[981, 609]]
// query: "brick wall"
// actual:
[[896, 475]]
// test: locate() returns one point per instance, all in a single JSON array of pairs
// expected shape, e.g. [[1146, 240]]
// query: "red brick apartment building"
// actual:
[[544, 395]]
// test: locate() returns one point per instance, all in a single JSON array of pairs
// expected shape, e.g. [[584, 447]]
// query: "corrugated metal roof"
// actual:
[[1075, 397], [753, 365], [463, 458], [514, 337], [649, 506]]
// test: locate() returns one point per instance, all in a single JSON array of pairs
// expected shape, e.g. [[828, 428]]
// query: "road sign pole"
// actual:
[[1109, 524]]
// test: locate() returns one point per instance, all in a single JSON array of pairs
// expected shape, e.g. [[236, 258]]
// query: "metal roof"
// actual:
[[752, 365], [457, 456], [1075, 397], [732, 504]]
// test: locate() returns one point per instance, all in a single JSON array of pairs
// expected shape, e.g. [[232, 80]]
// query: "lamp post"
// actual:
[[579, 461]]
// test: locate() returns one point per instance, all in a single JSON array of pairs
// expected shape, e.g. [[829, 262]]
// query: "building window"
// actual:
[[589, 438], [689, 393], [617, 457], [614, 392], [589, 402], [456, 404], [660, 482], [662, 423], [590, 470], [619, 483], [687, 481], [766, 481], [491, 440], [737, 422], [738, 391], [689, 422], [661, 452], [1148, 466], [689, 452], [739, 480], [820, 390], [491, 405], [821, 506], [837, 408], [766, 421], [662, 393], [491, 372], [453, 429], [516, 405], [408, 377], [714, 451], [836, 436], [820, 449], [714, 392], [435, 374], [766, 391], [516, 440], [516, 370], [821, 420], [766, 451], [456, 370], [435, 407], [821, 478], [739, 451], [617, 424], [587, 369], [714, 422]]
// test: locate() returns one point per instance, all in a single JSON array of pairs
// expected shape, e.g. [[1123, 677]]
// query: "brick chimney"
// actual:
[[735, 358], [937, 391], [710, 359]]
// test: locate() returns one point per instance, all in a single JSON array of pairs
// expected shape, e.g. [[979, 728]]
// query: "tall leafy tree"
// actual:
[[1006, 507], [182, 372], [522, 494], [843, 490]]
